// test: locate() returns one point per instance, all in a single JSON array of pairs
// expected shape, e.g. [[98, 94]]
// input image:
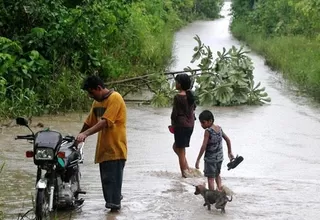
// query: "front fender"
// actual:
[[41, 184]]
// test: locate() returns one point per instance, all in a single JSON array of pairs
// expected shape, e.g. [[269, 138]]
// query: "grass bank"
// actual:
[[297, 57]]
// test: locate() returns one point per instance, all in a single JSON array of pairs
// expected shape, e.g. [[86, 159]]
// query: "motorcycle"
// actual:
[[58, 173]]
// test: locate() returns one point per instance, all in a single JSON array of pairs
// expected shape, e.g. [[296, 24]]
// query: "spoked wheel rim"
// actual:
[[42, 205]]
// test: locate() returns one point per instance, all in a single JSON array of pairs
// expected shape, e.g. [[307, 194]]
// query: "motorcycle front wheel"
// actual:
[[75, 180], [42, 205]]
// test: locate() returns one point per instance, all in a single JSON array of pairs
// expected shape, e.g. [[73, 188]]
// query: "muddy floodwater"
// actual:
[[280, 142]]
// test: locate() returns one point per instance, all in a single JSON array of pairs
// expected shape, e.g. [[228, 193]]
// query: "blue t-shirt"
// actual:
[[214, 151]]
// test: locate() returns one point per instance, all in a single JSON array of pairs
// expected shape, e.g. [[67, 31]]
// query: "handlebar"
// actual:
[[28, 137], [69, 138]]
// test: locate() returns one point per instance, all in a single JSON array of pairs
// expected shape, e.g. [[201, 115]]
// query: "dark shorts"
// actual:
[[212, 169], [182, 136]]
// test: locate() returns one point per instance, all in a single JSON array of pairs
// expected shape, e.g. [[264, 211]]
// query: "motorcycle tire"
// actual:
[[76, 179], [42, 205]]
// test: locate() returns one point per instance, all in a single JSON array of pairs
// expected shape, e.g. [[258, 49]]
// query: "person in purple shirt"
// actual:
[[182, 119]]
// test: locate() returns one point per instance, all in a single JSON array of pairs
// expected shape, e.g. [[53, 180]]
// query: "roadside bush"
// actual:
[[287, 33], [279, 17], [208, 8], [46, 44]]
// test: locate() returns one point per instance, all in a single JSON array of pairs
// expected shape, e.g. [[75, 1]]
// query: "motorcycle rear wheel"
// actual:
[[42, 205]]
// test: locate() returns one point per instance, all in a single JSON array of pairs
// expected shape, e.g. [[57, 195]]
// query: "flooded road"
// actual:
[[280, 143]]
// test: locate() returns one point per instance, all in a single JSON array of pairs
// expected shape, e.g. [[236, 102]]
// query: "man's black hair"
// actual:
[[206, 115], [92, 82]]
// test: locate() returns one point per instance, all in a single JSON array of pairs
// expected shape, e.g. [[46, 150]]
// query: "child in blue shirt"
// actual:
[[212, 149]]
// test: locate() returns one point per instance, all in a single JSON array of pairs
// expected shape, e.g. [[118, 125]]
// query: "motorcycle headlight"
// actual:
[[44, 154]]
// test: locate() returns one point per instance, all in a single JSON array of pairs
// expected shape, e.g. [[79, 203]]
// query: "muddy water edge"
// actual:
[[279, 178]]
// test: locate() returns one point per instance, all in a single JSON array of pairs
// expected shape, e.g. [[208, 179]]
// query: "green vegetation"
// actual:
[[286, 33], [227, 80], [48, 47]]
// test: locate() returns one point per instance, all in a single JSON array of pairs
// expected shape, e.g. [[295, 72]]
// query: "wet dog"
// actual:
[[219, 198]]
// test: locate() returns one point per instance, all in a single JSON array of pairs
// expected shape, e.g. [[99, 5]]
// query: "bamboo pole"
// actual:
[[147, 75]]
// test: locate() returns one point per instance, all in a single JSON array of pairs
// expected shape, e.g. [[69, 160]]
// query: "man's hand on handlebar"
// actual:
[[81, 137]]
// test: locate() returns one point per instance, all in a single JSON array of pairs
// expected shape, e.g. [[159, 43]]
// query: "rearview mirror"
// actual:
[[21, 121]]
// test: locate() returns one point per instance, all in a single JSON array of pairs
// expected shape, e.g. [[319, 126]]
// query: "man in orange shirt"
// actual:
[[108, 117]]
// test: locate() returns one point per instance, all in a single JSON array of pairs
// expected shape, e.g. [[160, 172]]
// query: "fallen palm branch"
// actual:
[[227, 80]]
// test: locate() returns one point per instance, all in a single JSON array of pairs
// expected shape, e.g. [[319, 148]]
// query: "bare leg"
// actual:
[[219, 184], [182, 161], [181, 153], [211, 183], [175, 148], [185, 158]]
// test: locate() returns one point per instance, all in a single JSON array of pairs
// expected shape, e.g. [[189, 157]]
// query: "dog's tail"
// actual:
[[229, 200]]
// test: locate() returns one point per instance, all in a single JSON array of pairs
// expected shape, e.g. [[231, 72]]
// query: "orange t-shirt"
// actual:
[[112, 140]]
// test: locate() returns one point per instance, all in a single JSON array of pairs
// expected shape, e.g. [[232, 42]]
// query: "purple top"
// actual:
[[182, 114]]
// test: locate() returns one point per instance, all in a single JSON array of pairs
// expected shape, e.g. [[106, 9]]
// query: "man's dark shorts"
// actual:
[[182, 136]]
